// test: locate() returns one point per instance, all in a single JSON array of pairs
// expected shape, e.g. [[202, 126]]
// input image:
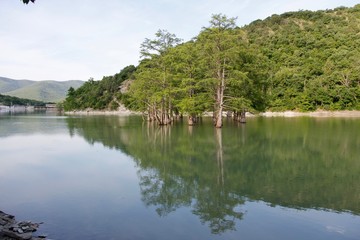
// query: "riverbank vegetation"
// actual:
[[300, 61], [99, 95], [12, 101]]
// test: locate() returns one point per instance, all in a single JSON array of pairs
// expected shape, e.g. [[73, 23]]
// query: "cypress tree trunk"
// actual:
[[191, 121], [243, 116], [218, 123], [220, 97]]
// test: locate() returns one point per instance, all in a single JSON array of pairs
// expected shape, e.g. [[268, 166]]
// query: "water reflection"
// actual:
[[300, 163], [24, 123]]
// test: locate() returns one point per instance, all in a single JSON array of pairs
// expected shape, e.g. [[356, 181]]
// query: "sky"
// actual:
[[82, 39]]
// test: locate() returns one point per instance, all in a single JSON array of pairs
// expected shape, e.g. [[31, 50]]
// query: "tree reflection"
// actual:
[[168, 189], [215, 205], [158, 186], [218, 208], [293, 163], [166, 195]]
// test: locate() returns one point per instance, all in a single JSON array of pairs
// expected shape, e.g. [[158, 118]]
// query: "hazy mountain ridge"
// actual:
[[47, 91]]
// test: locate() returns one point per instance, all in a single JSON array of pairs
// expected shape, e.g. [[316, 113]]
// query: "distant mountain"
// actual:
[[47, 91]]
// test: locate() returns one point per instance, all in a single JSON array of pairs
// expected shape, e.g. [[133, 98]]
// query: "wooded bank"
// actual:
[[297, 61]]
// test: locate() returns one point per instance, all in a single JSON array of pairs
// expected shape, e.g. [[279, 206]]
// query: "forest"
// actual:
[[302, 61], [11, 101]]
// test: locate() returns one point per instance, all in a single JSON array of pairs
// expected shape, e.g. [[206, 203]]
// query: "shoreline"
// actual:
[[103, 112], [11, 229], [121, 111], [317, 114], [288, 114]]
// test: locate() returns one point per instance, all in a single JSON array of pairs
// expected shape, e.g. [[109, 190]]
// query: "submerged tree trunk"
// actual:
[[243, 116], [220, 97], [150, 113], [191, 121], [218, 123], [162, 114], [240, 116]]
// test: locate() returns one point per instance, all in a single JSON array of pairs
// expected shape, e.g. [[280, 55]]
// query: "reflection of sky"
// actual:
[[45, 166], [81, 191], [30, 124], [266, 222]]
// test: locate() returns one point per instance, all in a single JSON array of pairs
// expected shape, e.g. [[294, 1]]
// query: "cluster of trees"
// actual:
[[215, 72], [295, 61], [11, 101]]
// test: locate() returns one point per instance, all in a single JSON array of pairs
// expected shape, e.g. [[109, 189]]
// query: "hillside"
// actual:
[[7, 84], [103, 94], [47, 91], [300, 61], [313, 58]]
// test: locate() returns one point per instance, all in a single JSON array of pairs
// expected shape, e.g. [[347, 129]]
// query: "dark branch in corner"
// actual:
[[27, 1]]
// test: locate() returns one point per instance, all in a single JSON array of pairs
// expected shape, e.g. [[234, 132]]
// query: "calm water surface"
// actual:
[[114, 177]]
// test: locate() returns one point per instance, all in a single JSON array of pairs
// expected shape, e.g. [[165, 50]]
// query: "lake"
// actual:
[[110, 177]]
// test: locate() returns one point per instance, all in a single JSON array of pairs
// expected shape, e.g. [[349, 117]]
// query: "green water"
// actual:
[[121, 178]]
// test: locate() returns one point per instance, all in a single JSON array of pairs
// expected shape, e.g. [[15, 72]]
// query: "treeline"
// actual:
[[295, 61], [11, 101]]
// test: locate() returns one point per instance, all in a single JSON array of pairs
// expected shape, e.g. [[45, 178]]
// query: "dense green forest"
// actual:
[[300, 61], [104, 94], [11, 101]]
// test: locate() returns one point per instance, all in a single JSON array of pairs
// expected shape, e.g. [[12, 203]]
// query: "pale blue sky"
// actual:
[[73, 39]]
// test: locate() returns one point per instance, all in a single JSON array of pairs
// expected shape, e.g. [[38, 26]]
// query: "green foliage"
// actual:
[[190, 85], [294, 61], [220, 44], [98, 95], [312, 58], [160, 45], [193, 77], [153, 89], [10, 101]]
